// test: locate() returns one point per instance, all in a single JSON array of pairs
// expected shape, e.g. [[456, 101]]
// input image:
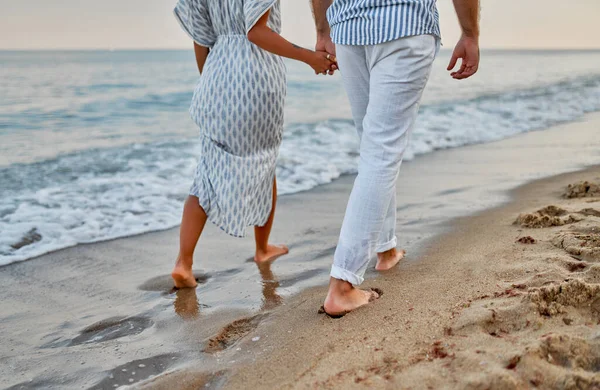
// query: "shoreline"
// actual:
[[593, 116], [234, 295]]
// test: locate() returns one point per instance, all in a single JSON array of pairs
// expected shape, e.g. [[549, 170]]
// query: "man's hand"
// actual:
[[326, 44], [467, 49]]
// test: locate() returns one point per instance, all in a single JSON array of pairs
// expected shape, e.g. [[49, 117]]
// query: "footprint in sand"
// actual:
[[233, 332], [111, 329], [589, 212], [592, 275], [547, 217], [582, 244], [575, 362], [574, 265], [135, 371]]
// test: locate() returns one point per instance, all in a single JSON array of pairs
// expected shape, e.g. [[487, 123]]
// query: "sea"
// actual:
[[96, 145]]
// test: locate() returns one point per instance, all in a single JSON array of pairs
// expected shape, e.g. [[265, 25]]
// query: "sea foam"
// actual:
[[101, 194]]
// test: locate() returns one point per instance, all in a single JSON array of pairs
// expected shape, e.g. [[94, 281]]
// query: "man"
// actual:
[[385, 50]]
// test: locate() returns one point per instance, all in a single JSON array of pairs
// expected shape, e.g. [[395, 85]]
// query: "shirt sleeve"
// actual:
[[195, 20], [254, 10]]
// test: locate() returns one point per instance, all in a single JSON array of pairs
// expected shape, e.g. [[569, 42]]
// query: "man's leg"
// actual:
[[398, 73], [356, 81]]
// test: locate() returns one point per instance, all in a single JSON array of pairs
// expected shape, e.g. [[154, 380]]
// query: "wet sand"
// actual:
[[105, 315]]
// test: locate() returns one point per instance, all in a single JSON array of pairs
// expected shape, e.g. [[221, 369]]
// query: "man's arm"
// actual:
[[324, 43], [319, 8], [467, 47]]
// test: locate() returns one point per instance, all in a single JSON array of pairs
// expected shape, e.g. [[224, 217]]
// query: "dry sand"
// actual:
[[495, 304]]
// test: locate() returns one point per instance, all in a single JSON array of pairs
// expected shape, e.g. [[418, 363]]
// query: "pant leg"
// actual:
[[352, 61], [399, 71], [387, 239], [356, 77]]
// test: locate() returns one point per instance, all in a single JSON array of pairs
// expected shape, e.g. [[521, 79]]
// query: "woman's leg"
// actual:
[[265, 251], [192, 224]]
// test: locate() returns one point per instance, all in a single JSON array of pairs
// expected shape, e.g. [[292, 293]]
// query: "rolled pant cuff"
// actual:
[[388, 245], [342, 274]]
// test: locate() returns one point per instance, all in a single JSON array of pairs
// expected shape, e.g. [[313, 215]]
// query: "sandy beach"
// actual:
[[509, 300], [494, 294]]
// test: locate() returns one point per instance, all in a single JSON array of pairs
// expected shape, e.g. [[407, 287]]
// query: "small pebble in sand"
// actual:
[[527, 240], [133, 373], [141, 365], [238, 349], [130, 380], [111, 376], [124, 370], [255, 338], [116, 385]]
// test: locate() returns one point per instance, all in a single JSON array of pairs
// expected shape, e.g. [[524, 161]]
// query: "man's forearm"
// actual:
[[468, 16], [319, 8]]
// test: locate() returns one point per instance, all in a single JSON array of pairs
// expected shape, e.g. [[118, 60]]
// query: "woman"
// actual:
[[238, 105]]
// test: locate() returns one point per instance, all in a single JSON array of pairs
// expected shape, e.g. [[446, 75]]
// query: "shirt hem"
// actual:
[[366, 41]]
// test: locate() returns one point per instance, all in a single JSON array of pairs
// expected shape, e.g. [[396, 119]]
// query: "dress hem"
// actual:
[[215, 220]]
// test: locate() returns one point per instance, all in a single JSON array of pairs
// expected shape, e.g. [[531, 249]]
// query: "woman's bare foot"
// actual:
[[272, 253], [183, 276], [388, 260], [343, 298]]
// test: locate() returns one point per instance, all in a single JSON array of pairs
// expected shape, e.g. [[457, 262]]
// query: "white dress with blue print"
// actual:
[[238, 105]]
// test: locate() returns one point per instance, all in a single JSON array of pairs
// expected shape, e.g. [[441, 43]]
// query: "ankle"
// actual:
[[185, 261], [262, 250], [389, 253], [340, 287]]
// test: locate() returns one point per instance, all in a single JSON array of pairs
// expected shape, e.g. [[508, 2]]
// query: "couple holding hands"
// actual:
[[384, 50]]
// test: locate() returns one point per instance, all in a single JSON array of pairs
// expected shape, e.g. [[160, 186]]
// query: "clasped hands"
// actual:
[[325, 53]]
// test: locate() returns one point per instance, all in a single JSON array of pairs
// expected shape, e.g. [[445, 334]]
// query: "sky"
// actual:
[[122, 24]]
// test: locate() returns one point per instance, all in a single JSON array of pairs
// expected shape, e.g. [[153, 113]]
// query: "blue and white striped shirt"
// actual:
[[371, 22]]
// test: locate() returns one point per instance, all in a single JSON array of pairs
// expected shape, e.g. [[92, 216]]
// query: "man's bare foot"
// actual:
[[272, 253], [343, 298], [183, 276], [388, 260]]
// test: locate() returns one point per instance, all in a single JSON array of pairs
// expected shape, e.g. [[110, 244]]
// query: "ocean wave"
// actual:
[[101, 194]]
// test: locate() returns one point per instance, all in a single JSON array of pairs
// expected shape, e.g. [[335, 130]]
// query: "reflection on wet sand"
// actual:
[[186, 300], [186, 303], [269, 287]]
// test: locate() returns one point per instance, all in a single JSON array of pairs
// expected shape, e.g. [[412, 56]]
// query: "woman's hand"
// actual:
[[322, 62]]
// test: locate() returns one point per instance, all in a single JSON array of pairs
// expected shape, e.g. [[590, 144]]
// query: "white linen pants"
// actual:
[[384, 84]]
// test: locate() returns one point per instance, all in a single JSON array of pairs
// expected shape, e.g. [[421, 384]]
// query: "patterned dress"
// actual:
[[238, 105]]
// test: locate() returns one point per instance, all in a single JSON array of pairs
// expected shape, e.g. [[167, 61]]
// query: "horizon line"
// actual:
[[108, 49]]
